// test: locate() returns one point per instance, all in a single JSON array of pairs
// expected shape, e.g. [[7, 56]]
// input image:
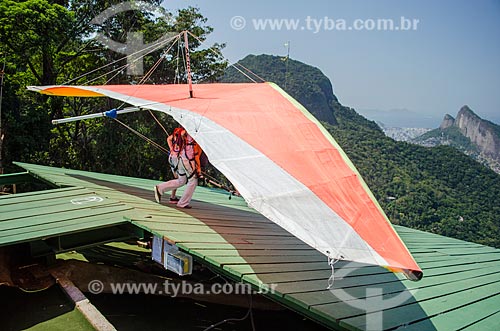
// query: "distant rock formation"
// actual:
[[482, 133], [469, 133], [447, 122]]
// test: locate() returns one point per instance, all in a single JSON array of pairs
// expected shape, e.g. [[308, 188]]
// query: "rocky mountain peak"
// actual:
[[481, 132], [469, 133], [447, 122], [467, 115], [466, 110]]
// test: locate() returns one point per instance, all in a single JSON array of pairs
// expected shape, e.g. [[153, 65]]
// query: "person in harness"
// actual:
[[184, 160], [175, 143]]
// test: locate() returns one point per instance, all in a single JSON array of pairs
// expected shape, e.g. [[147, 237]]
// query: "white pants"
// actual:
[[183, 172]]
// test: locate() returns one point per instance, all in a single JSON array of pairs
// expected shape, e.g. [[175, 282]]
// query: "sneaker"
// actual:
[[157, 194], [174, 200], [185, 207]]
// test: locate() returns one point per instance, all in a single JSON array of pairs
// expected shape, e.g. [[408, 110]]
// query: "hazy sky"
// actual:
[[451, 59]]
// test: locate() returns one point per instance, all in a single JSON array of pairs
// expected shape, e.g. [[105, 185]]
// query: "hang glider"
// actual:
[[281, 160]]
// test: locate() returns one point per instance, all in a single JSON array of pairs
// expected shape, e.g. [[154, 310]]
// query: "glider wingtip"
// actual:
[[410, 274], [414, 275]]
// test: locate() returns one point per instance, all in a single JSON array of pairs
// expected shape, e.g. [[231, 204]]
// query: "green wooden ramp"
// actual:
[[459, 291]]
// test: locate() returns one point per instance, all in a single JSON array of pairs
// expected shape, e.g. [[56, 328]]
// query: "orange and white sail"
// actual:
[[282, 161]]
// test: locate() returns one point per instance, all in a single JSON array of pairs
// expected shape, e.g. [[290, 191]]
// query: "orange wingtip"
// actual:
[[67, 91]]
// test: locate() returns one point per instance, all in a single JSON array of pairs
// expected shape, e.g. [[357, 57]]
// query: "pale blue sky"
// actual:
[[452, 59]]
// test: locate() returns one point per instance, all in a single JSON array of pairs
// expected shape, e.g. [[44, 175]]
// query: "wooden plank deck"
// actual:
[[30, 216], [459, 289]]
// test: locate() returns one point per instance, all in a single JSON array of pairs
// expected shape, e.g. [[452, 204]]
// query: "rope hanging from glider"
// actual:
[[331, 263]]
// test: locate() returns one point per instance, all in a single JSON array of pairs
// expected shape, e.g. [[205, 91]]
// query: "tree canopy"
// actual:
[[52, 42]]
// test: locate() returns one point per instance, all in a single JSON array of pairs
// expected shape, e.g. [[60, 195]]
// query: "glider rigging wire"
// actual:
[[250, 71], [218, 53], [152, 142], [151, 48]]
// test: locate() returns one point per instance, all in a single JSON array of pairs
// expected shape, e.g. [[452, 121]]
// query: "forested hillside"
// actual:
[[433, 189]]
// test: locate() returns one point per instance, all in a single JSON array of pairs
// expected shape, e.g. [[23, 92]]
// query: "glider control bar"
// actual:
[[113, 113]]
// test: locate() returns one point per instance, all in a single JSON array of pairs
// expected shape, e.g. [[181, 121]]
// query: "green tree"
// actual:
[[48, 42]]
